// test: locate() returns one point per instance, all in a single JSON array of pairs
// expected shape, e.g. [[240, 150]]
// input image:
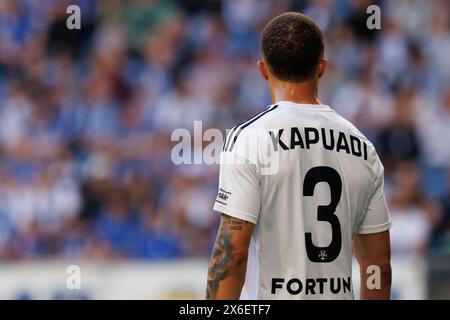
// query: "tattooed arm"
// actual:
[[228, 261]]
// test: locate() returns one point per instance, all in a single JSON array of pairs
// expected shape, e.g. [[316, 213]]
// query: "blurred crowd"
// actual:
[[86, 116]]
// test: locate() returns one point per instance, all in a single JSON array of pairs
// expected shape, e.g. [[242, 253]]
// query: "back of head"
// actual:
[[292, 46]]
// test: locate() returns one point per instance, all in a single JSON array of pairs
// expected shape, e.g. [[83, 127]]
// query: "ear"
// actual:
[[263, 69], [322, 66]]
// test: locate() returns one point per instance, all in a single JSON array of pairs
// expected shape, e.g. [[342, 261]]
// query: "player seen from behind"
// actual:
[[300, 188]]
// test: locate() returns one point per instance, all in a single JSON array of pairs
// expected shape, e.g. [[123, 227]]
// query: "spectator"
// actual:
[[414, 218]]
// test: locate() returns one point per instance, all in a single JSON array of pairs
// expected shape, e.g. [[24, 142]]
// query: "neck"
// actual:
[[301, 92]]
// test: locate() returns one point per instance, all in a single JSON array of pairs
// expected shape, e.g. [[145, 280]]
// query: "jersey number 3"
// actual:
[[324, 213]]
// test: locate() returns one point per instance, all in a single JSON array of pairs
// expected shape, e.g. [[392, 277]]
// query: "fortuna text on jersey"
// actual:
[[312, 286]]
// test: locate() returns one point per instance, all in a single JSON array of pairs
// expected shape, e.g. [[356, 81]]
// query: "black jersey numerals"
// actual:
[[324, 213]]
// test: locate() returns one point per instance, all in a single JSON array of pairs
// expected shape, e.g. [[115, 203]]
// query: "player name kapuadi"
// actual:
[[329, 139]]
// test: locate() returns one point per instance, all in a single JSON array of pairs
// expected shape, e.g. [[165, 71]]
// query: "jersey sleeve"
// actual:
[[239, 188], [376, 218]]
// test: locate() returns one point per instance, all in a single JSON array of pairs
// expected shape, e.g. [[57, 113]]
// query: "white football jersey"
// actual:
[[309, 181]]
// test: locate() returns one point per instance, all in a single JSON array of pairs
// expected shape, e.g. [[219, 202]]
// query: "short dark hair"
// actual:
[[292, 46]]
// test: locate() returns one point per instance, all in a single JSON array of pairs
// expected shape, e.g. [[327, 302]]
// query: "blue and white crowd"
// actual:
[[86, 117]]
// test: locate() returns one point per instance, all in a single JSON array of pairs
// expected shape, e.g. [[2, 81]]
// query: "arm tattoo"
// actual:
[[221, 259]]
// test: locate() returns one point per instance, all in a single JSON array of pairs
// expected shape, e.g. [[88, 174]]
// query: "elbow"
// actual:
[[386, 280], [383, 270], [239, 259], [386, 273], [386, 268], [381, 265]]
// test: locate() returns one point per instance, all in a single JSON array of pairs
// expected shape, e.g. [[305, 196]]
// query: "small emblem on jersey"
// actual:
[[322, 254], [222, 196]]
